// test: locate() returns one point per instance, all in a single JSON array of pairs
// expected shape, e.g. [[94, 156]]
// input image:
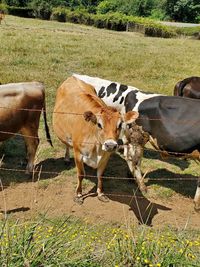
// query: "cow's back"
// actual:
[[69, 107], [20, 104], [172, 121]]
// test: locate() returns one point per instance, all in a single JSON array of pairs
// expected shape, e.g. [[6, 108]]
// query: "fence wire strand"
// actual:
[[89, 143], [106, 177]]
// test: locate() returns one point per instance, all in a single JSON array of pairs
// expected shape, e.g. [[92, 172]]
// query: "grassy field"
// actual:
[[50, 52]]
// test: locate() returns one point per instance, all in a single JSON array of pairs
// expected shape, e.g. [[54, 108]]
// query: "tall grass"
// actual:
[[72, 242]]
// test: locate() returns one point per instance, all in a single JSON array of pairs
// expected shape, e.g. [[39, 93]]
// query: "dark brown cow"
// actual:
[[189, 87], [20, 108]]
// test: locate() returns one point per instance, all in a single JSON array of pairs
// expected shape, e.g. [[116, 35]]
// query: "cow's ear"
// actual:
[[89, 116], [130, 116]]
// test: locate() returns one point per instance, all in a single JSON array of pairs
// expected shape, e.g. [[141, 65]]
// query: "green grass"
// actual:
[[72, 242]]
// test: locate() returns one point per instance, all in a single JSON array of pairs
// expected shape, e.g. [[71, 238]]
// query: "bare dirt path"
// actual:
[[179, 24], [27, 200]]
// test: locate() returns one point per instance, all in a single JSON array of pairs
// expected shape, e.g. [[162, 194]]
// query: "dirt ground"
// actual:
[[53, 196]]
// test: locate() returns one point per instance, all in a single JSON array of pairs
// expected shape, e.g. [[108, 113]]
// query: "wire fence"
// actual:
[[122, 178], [181, 121], [90, 143]]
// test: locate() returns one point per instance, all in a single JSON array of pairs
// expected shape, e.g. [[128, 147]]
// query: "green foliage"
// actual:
[[41, 9], [157, 14], [80, 16], [179, 10], [107, 6], [188, 31], [59, 14], [113, 21], [129, 7], [183, 10], [16, 3], [4, 7]]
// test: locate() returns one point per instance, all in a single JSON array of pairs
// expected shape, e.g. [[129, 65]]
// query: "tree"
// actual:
[[183, 10], [128, 7], [17, 3]]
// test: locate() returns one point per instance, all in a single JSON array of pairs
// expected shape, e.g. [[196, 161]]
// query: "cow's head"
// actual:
[[109, 123]]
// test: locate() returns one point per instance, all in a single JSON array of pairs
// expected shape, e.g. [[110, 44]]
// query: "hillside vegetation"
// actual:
[[185, 11]]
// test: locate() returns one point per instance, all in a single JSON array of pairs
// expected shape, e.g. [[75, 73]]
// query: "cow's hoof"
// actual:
[[78, 200], [103, 198]]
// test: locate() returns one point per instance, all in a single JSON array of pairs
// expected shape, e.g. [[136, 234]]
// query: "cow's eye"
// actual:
[[99, 125], [129, 125]]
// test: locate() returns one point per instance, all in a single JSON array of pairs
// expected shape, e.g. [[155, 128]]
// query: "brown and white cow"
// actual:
[[82, 120], [20, 108]]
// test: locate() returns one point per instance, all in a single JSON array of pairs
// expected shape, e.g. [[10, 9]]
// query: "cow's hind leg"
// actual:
[[67, 155], [197, 197], [32, 141], [80, 175]]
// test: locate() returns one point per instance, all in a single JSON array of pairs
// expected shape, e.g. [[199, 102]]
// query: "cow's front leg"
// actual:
[[100, 171], [134, 159], [197, 197], [80, 175]]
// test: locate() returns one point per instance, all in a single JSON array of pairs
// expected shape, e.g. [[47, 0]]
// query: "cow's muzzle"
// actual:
[[110, 145]]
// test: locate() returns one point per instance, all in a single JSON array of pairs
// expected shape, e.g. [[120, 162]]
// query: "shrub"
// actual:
[[59, 14], [41, 9], [4, 8]]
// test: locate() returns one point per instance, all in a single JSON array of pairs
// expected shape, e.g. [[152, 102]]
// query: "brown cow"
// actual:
[[2, 15], [189, 87], [20, 108], [82, 120]]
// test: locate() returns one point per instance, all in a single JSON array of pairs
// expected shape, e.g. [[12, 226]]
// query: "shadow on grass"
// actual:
[[153, 154], [177, 183], [22, 209], [12, 173]]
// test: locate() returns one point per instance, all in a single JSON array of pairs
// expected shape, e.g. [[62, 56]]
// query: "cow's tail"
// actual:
[[48, 136]]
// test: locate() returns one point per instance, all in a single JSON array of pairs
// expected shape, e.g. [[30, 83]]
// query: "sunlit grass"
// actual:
[[71, 242]]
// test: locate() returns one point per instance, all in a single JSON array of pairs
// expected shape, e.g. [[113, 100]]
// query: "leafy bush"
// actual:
[[4, 8], [59, 14], [41, 9], [188, 31], [183, 10]]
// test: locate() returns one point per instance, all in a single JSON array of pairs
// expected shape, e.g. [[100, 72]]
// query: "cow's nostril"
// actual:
[[111, 145], [115, 146]]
